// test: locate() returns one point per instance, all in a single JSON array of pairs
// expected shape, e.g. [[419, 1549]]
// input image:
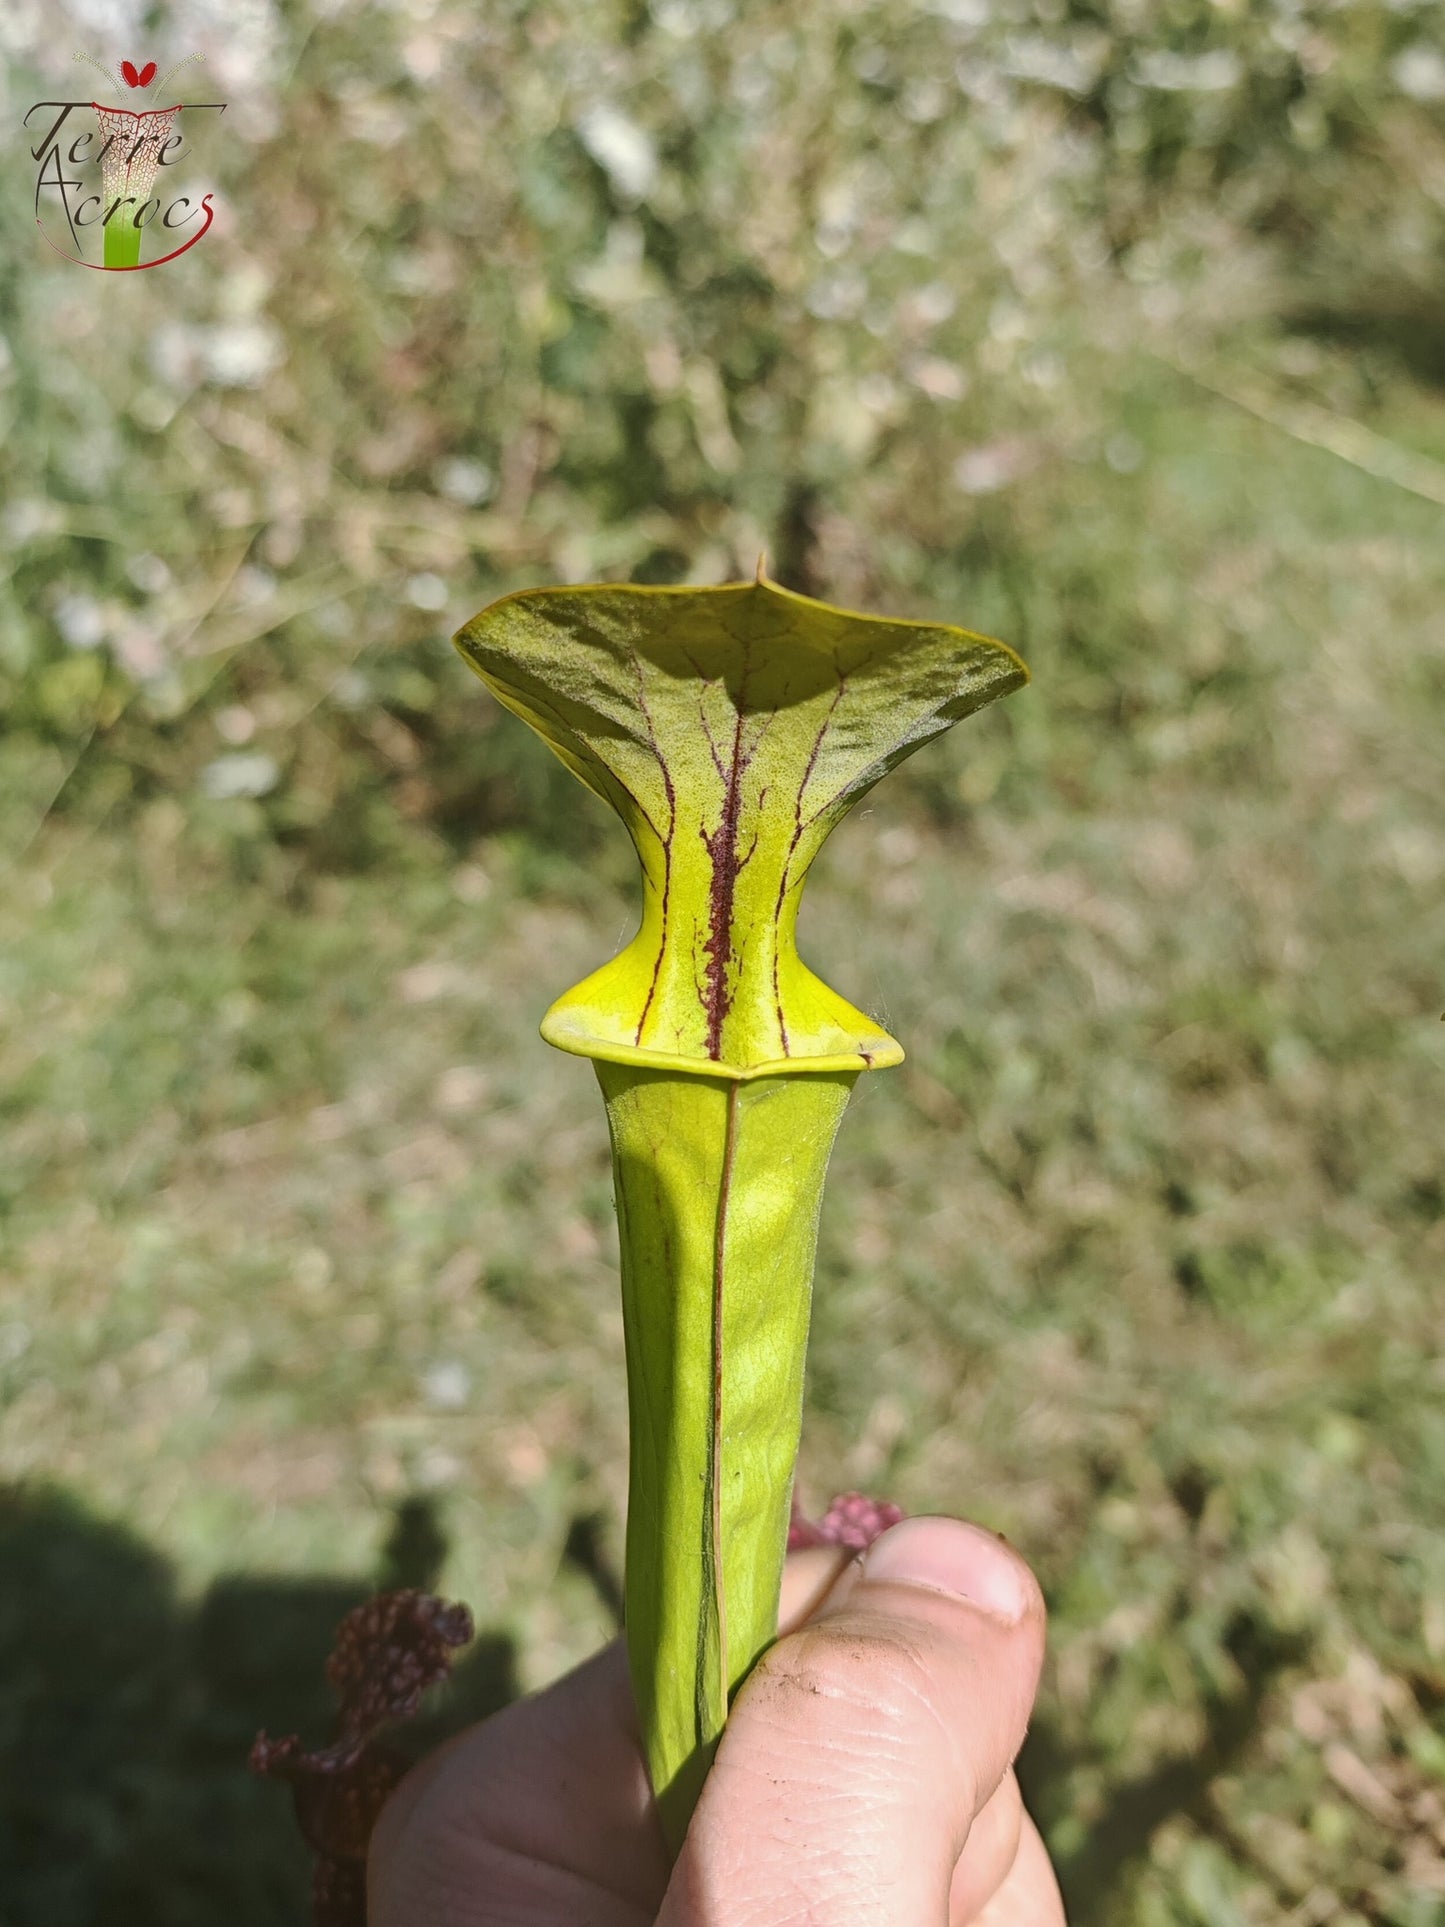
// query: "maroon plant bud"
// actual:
[[339, 1791], [852, 1520], [388, 1652]]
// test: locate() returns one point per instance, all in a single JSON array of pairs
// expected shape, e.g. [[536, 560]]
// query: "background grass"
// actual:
[[1115, 331]]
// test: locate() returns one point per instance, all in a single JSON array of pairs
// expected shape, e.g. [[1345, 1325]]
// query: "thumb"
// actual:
[[864, 1745]]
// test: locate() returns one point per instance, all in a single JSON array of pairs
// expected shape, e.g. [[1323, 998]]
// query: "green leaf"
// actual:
[[730, 728], [719, 1182]]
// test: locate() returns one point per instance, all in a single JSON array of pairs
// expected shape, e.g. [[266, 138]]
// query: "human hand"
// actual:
[[864, 1778]]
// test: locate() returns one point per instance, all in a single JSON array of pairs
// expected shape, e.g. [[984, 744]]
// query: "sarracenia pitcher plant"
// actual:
[[731, 729]]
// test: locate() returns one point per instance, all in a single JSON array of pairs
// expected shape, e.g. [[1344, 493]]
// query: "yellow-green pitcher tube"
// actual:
[[731, 729], [719, 1185]]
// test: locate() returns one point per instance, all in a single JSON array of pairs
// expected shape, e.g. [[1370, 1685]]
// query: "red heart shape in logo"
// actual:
[[142, 79]]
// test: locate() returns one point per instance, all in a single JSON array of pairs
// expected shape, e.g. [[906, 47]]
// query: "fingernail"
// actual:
[[952, 1557]]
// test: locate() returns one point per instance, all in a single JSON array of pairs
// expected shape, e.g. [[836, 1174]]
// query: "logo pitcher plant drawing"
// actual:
[[130, 145]]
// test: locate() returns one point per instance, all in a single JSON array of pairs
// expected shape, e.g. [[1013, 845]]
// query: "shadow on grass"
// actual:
[[1406, 324], [1099, 1872], [585, 1551], [126, 1718]]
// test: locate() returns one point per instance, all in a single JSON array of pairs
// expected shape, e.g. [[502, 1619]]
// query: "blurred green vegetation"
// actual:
[[1113, 329]]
